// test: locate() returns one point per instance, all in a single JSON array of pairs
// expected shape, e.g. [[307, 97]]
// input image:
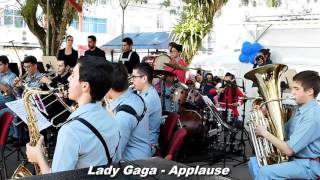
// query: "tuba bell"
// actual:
[[267, 80]]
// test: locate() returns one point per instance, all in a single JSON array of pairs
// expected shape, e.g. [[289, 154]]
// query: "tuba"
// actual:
[[267, 80], [34, 133]]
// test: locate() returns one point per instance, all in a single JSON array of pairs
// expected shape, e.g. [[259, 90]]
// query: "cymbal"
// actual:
[[197, 68], [163, 73], [176, 66]]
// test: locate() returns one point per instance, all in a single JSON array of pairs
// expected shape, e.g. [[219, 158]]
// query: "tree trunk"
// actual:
[[60, 16]]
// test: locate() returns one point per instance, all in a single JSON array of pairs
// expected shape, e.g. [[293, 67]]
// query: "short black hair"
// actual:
[[64, 61], [171, 43], [146, 70], [92, 37], [128, 41], [4, 59], [178, 47], [30, 59], [69, 36], [98, 73], [120, 77], [309, 80]]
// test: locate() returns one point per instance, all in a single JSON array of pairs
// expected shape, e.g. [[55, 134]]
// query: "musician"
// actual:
[[175, 55], [170, 45], [6, 82], [262, 58], [129, 57], [142, 80], [62, 77], [93, 49], [33, 77], [77, 146], [68, 54], [133, 120], [303, 145], [229, 94], [209, 85]]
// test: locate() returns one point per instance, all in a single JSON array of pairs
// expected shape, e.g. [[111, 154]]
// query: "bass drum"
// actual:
[[157, 62], [192, 121]]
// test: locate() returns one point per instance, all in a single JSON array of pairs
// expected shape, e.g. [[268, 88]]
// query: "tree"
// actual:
[[195, 23], [60, 16]]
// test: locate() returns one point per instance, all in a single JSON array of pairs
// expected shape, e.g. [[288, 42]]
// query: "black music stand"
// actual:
[[244, 132]]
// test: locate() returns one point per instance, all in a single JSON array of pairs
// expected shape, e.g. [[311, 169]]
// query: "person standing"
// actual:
[[93, 49], [129, 57], [68, 54]]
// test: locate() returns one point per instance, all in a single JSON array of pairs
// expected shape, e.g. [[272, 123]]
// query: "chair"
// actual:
[[5, 122], [176, 143], [166, 132]]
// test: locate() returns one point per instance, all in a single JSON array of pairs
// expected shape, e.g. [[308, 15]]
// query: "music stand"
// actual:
[[50, 62]]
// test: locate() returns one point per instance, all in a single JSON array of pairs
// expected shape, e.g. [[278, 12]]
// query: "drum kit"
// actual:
[[198, 114]]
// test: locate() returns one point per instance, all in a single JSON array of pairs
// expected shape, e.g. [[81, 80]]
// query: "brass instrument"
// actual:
[[267, 79], [20, 79], [34, 133]]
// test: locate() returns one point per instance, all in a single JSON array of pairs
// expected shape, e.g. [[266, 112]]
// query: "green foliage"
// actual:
[[195, 23]]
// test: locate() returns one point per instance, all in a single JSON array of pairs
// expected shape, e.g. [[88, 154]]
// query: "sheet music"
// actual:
[[17, 107]]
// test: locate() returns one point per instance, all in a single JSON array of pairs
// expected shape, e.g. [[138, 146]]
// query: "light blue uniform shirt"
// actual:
[[153, 103], [304, 139], [135, 141], [78, 147], [6, 79], [33, 80], [304, 127]]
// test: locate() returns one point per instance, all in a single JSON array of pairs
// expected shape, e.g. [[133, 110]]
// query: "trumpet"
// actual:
[[20, 79]]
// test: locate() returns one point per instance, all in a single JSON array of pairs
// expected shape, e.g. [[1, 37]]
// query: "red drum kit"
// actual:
[[196, 115]]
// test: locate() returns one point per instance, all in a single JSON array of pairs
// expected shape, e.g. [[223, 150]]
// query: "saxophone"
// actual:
[[34, 133]]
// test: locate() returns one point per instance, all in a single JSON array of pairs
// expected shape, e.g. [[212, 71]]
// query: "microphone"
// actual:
[[11, 41]]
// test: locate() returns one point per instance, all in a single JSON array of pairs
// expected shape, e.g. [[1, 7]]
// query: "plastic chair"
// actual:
[[5, 122]]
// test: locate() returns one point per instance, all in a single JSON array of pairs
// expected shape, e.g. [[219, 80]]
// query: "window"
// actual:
[[101, 2], [13, 18], [92, 25], [159, 21]]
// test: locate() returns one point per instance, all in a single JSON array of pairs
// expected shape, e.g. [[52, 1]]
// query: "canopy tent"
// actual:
[[144, 40]]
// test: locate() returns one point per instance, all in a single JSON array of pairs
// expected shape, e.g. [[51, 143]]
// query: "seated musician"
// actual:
[[62, 77], [142, 78], [77, 145], [175, 55], [262, 58], [33, 79], [130, 113], [229, 94], [303, 145], [6, 82]]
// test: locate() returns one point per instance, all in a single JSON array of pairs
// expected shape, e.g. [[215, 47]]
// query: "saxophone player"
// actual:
[[303, 145], [78, 146], [6, 81]]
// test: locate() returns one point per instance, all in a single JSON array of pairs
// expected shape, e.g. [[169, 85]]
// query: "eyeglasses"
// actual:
[[136, 76], [27, 67]]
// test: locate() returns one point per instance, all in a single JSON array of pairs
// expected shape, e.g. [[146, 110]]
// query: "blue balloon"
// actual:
[[246, 48], [256, 47], [252, 58], [243, 58]]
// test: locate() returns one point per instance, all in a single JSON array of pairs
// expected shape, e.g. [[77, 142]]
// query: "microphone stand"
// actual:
[[19, 65]]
